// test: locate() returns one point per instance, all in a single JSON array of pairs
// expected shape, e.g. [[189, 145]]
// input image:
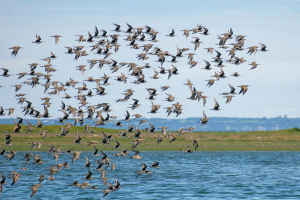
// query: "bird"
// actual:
[[186, 32], [2, 180], [210, 50], [56, 38], [56, 156], [117, 185], [76, 155], [254, 65], [143, 170], [127, 115], [78, 138], [43, 132], [87, 163], [210, 82], [17, 127], [172, 136], [216, 106], [15, 50], [34, 189], [154, 108], [106, 192], [188, 149], [263, 47], [228, 98], [195, 143], [5, 72], [244, 89], [235, 74], [136, 155], [172, 34], [38, 39], [39, 124], [204, 119], [155, 165]]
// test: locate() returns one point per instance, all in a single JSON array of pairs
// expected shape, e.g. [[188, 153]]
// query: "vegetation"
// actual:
[[282, 140]]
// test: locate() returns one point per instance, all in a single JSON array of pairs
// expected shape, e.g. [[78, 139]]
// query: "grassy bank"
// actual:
[[283, 140]]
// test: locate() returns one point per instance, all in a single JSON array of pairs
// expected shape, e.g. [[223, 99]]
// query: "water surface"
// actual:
[[205, 175]]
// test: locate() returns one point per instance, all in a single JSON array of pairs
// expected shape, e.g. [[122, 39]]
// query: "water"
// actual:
[[205, 175]]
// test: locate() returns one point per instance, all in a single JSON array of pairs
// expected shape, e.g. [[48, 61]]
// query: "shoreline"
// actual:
[[282, 140]]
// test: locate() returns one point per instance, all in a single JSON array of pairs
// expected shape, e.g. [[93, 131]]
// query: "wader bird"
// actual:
[[244, 89], [204, 119], [15, 50]]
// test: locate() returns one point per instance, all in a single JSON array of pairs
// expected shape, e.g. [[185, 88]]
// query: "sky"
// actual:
[[274, 84]]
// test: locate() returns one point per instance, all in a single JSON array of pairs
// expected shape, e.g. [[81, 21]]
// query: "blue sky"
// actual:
[[274, 84]]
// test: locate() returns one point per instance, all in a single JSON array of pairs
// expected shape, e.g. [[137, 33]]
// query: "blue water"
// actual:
[[205, 175]]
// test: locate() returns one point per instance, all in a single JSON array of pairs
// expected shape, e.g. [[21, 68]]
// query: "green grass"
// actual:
[[283, 140]]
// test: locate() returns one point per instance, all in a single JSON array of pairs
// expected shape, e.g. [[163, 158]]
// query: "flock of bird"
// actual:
[[107, 46]]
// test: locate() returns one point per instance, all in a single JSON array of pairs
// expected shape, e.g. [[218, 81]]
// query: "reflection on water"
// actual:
[[205, 175]]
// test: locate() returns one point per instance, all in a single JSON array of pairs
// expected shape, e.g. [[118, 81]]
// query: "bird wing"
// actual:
[[104, 135], [204, 115], [144, 167], [216, 104], [89, 174]]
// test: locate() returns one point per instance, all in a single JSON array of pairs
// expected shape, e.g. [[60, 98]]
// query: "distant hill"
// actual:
[[215, 123]]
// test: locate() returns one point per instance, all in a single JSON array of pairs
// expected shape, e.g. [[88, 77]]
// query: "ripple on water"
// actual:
[[205, 175]]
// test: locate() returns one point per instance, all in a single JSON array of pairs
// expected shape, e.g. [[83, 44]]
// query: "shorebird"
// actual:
[[1, 111], [76, 155], [43, 132], [205, 31], [117, 29], [263, 47], [204, 119], [172, 136], [210, 50], [37, 160], [188, 149], [207, 65], [95, 153], [216, 106], [56, 156], [136, 144], [118, 123], [5, 72], [155, 165], [244, 89], [34, 189], [186, 33], [117, 185], [193, 95], [78, 138], [137, 116], [56, 38], [127, 115], [39, 124], [172, 34], [235, 74], [106, 192], [154, 108], [15, 50], [195, 143], [143, 170], [87, 163], [2, 180], [38, 39], [254, 65], [210, 82]]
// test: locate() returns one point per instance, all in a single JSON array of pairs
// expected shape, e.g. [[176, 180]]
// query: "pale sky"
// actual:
[[274, 84]]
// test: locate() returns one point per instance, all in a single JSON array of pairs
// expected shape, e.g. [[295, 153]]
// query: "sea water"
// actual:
[[198, 175]]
